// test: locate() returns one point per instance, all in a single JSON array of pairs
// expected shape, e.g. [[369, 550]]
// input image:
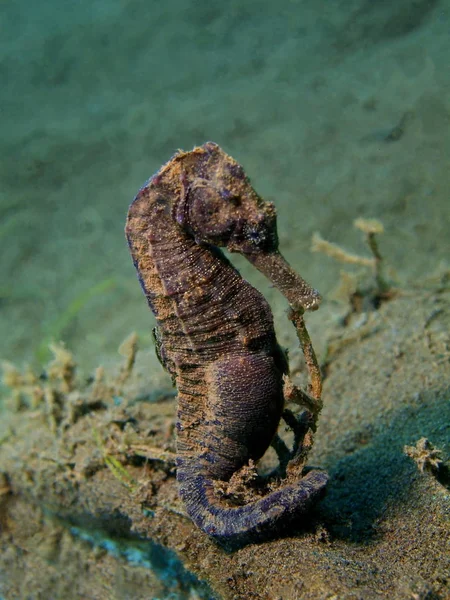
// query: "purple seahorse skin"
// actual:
[[215, 333]]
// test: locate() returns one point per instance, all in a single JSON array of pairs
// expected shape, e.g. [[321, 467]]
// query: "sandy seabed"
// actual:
[[336, 110]]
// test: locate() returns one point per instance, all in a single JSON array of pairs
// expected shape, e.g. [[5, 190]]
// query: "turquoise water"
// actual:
[[96, 95]]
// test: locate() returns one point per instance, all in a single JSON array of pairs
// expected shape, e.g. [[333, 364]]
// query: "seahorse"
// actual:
[[215, 333]]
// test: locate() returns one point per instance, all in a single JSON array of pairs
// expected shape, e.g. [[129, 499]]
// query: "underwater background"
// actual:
[[336, 110], [96, 95]]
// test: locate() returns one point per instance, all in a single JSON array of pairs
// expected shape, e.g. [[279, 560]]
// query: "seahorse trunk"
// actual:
[[238, 422]]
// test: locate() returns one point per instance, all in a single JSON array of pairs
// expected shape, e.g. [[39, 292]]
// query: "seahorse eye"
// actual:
[[254, 236], [257, 236]]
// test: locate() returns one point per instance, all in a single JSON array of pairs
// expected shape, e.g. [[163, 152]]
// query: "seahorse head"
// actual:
[[219, 206]]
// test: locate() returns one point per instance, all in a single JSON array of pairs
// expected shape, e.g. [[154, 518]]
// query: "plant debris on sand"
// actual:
[[95, 458]]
